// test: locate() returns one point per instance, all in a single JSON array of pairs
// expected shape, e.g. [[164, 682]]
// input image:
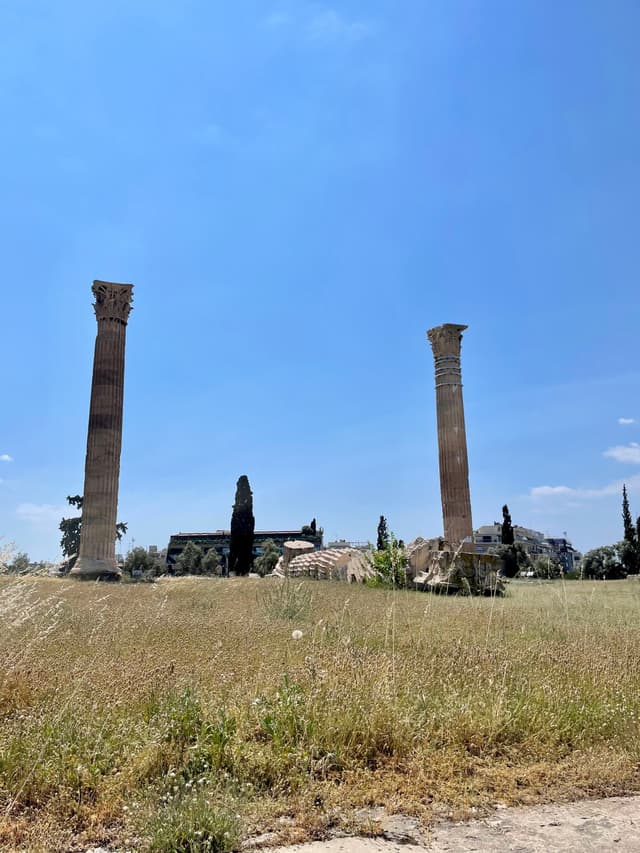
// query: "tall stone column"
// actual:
[[97, 557], [452, 439]]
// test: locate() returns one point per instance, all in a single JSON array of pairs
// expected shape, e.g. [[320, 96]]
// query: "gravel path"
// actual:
[[591, 826]]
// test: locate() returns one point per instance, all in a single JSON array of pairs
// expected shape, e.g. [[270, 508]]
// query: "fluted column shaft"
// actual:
[[452, 439], [96, 559]]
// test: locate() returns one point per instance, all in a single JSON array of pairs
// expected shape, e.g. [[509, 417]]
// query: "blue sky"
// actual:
[[298, 190]]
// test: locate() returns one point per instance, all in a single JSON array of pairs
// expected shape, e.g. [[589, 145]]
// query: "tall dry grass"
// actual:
[[184, 715]]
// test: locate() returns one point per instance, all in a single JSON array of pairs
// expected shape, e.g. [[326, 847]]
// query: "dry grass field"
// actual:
[[185, 716]]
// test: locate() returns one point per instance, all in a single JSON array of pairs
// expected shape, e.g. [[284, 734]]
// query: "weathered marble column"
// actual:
[[97, 559], [452, 439]]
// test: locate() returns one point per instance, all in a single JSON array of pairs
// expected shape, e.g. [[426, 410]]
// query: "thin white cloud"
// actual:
[[40, 513], [4, 457], [625, 453], [317, 23], [550, 491], [542, 493], [626, 421], [328, 25]]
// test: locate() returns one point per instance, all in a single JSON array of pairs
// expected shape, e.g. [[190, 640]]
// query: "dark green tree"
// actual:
[[629, 527], [603, 564], [190, 561], [515, 557], [211, 562], [382, 541], [630, 550], [507, 527], [242, 528], [139, 562], [70, 529], [266, 562]]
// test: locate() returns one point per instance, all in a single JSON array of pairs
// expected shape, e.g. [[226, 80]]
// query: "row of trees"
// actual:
[[193, 560], [390, 562], [20, 564], [611, 562]]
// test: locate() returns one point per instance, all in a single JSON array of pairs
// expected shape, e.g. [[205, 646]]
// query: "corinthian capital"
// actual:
[[113, 301], [446, 339]]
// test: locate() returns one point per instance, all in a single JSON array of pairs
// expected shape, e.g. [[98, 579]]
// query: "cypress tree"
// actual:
[[242, 528], [629, 528], [383, 534], [507, 527]]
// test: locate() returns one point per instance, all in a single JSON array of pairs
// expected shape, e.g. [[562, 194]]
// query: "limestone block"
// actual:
[[294, 548], [460, 572], [346, 564]]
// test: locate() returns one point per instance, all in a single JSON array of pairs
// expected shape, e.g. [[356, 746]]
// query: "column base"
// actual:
[[90, 569]]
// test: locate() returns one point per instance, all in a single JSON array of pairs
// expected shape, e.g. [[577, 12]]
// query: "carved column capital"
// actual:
[[445, 343], [446, 339], [113, 301]]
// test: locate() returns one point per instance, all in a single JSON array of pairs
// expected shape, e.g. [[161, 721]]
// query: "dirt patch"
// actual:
[[592, 826]]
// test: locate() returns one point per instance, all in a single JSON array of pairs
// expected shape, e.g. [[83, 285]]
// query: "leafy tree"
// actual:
[[310, 529], [382, 541], [140, 561], [507, 527], [71, 528], [266, 562], [545, 567], [20, 564], [603, 563], [190, 561], [242, 528], [211, 563], [390, 564]]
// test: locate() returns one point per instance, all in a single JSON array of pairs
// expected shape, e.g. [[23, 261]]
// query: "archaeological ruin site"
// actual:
[[447, 563]]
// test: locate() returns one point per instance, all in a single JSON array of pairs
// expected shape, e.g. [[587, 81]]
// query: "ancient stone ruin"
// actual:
[[434, 566], [97, 558], [452, 436], [450, 564], [300, 559]]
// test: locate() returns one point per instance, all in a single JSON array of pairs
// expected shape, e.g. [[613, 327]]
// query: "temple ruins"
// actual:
[[452, 438], [449, 563], [96, 558]]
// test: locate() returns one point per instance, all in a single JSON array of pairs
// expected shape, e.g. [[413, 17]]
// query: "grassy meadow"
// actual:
[[190, 714]]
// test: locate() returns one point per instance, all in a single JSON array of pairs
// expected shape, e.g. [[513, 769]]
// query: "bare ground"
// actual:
[[591, 826]]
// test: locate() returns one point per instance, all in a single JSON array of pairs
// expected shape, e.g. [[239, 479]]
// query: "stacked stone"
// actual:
[[346, 564], [96, 559], [452, 440]]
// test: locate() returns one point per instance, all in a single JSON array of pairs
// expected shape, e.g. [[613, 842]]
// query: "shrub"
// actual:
[[190, 823], [544, 567], [390, 565], [266, 562], [286, 599]]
